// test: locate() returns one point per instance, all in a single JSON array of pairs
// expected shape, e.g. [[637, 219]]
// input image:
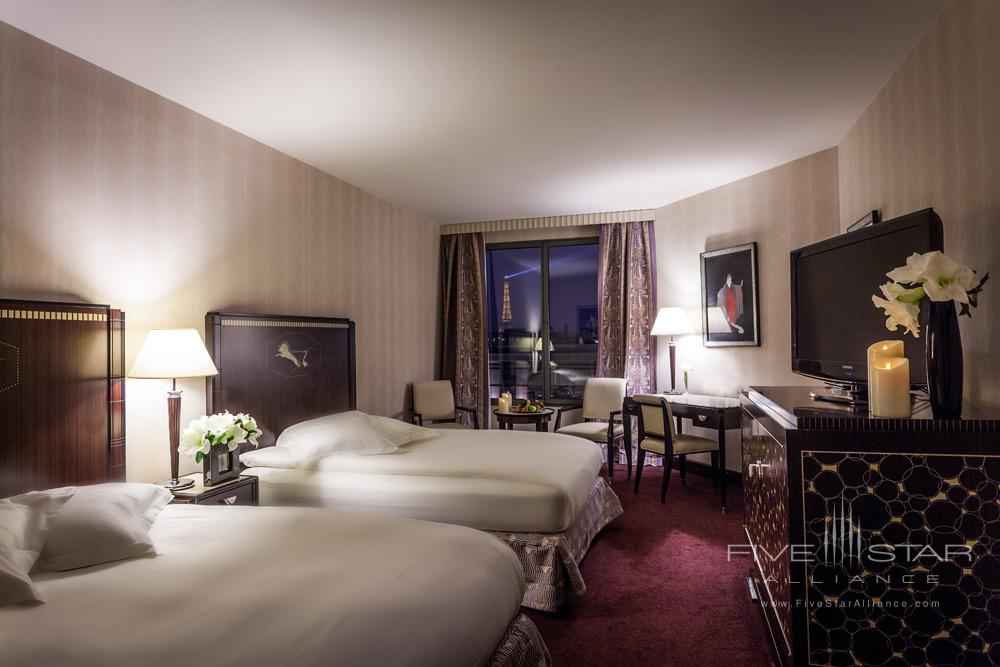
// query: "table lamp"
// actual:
[[672, 322], [168, 354]]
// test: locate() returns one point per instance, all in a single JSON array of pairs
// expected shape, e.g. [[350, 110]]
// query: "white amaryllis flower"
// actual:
[[219, 430], [942, 278], [250, 425], [194, 439], [933, 275], [900, 312]]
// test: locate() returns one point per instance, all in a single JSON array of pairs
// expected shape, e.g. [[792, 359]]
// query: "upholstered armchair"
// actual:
[[602, 417], [434, 401], [658, 435]]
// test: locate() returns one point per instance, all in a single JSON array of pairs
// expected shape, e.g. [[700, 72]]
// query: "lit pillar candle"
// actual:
[[892, 387], [503, 405], [884, 349]]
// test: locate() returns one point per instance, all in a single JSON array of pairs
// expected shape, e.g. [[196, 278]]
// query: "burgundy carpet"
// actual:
[[660, 590]]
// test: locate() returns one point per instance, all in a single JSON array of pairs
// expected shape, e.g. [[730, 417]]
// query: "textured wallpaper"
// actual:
[[781, 209], [112, 194], [932, 138]]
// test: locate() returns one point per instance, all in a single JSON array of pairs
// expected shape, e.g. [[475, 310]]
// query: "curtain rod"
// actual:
[[514, 224]]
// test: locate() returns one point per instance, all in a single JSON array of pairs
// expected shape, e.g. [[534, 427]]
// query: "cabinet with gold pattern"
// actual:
[[872, 541]]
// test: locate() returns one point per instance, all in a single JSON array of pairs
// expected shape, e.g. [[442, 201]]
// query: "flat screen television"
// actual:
[[833, 318]]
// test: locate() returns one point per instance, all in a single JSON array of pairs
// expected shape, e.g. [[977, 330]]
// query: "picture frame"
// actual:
[[869, 219], [730, 297]]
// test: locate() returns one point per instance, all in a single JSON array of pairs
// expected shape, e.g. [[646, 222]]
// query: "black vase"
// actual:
[[944, 361]]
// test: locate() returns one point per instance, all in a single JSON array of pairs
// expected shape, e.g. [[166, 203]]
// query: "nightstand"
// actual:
[[241, 491]]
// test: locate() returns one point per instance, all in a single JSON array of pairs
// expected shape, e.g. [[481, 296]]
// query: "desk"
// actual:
[[719, 412]]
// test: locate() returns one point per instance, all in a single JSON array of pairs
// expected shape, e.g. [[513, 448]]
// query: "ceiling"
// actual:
[[466, 110]]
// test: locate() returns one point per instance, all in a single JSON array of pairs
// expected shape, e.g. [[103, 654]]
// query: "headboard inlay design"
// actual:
[[40, 313], [335, 324], [281, 369]]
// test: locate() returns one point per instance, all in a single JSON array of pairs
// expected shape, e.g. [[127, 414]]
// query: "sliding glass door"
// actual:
[[542, 317]]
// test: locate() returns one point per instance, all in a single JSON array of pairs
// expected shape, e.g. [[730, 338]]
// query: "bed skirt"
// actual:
[[521, 646], [551, 560]]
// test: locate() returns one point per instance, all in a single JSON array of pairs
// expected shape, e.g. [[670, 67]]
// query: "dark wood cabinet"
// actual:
[[765, 492], [62, 395], [873, 541]]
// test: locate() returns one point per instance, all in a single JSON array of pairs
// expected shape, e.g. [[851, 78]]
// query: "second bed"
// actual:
[[540, 493]]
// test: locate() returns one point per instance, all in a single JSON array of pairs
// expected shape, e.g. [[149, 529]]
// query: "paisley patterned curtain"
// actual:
[[627, 305], [462, 356]]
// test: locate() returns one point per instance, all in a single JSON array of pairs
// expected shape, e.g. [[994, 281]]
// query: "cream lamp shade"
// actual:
[[172, 353], [672, 321]]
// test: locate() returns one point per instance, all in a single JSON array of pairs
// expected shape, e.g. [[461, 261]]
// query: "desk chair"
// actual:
[[658, 435]]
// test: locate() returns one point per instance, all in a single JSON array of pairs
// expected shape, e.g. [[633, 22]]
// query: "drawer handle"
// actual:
[[231, 500], [758, 466], [702, 418]]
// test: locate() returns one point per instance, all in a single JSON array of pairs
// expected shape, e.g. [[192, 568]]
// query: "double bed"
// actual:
[[542, 494], [295, 586]]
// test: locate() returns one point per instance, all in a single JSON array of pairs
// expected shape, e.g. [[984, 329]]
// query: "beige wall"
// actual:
[[932, 138], [781, 209], [112, 194]]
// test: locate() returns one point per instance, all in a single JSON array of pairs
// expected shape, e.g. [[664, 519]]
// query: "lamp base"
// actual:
[[178, 484]]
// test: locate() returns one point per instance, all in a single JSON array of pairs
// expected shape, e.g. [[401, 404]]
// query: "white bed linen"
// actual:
[[277, 586], [514, 481]]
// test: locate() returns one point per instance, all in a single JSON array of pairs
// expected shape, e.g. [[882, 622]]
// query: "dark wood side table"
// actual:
[[540, 419], [244, 490], [718, 412]]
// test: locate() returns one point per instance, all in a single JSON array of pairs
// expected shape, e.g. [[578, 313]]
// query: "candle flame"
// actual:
[[885, 347], [888, 366]]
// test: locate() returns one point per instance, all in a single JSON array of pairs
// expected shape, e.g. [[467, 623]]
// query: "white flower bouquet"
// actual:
[[933, 275], [219, 430]]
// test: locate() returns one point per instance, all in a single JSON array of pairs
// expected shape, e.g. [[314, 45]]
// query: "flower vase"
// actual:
[[220, 465], [945, 381]]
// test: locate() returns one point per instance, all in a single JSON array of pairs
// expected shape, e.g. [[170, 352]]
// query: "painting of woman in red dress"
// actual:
[[729, 296], [730, 299]]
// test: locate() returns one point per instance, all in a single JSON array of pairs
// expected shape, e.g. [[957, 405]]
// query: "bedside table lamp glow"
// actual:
[[672, 322], [168, 354]]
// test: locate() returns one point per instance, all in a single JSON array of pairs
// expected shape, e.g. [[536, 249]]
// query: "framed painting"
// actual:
[[730, 305]]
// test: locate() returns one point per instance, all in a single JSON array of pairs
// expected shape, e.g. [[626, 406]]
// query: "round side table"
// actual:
[[540, 419]]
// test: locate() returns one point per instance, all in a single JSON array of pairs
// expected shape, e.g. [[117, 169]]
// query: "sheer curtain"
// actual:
[[462, 355], [627, 305]]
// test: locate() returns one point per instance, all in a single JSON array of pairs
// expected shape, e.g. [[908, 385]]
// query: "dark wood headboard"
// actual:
[[62, 395], [281, 369]]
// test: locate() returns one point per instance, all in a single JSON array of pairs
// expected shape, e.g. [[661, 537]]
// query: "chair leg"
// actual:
[[628, 455], [638, 468], [683, 467], [668, 466]]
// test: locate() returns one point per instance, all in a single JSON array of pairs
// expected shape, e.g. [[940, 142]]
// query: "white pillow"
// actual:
[[103, 523], [342, 433], [399, 432], [268, 457], [25, 522]]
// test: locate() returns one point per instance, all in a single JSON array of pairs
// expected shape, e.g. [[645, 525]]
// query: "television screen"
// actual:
[[833, 318]]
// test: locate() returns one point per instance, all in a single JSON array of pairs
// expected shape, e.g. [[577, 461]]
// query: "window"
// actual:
[[542, 316]]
